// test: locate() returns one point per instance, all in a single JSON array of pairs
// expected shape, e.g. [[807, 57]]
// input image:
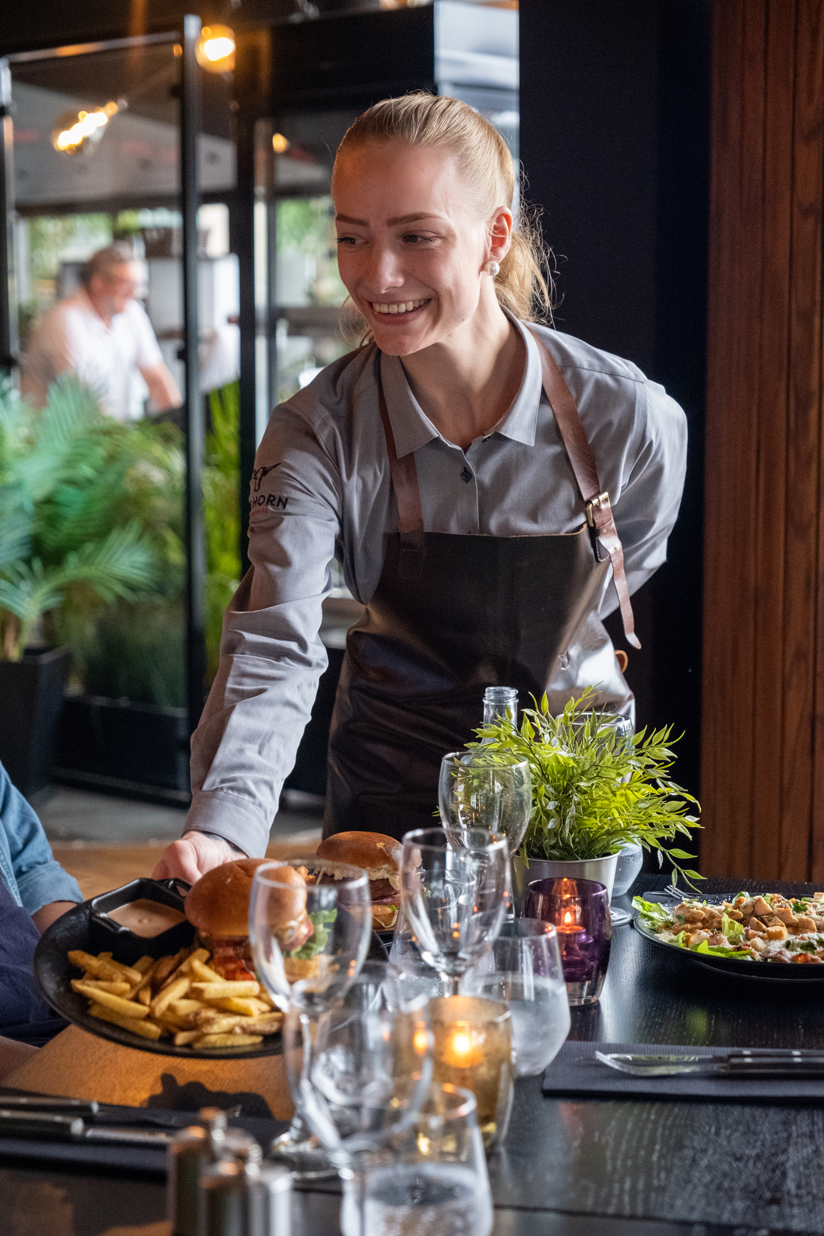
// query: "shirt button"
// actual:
[[466, 475]]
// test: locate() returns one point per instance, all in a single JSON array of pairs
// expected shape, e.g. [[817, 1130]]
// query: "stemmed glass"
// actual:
[[371, 1066], [314, 975], [453, 895], [480, 788]]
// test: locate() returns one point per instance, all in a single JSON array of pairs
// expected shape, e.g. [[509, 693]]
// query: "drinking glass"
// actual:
[[579, 911], [312, 977], [485, 789], [473, 1050], [436, 1182], [371, 1066], [523, 969], [453, 896]]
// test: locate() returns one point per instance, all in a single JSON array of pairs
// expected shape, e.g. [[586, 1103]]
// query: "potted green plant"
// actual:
[[62, 530], [594, 791]]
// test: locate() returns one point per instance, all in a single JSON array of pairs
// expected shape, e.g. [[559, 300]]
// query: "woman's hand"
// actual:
[[193, 856]]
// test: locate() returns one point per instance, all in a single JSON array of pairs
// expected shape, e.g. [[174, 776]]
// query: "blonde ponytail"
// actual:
[[523, 285]]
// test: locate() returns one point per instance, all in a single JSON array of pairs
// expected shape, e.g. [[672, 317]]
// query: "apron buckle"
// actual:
[[597, 504]]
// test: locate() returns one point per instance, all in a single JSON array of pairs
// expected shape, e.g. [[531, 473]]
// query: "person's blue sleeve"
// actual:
[[39, 878]]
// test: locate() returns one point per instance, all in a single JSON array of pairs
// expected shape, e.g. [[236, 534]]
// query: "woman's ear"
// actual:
[[500, 234]]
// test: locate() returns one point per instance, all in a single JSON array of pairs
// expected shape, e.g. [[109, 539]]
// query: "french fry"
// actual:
[[251, 1006], [184, 1037], [259, 1025], [164, 1030], [167, 965], [182, 1008], [128, 973], [228, 1040], [221, 1025], [144, 995], [126, 1008], [185, 967], [103, 967], [173, 991], [204, 973], [145, 964], [145, 1029], [206, 1015], [173, 1023], [145, 983], [116, 989], [218, 991]]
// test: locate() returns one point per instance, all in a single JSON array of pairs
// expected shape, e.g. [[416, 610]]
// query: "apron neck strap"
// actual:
[[582, 459], [408, 497]]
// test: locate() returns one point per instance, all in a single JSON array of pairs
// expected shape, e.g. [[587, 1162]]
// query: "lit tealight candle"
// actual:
[[460, 1050], [567, 925]]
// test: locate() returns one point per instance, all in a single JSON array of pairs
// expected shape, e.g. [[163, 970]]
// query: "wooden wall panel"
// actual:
[[763, 720]]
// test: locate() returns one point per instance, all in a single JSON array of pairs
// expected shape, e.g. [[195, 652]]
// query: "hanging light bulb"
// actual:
[[215, 49], [79, 132]]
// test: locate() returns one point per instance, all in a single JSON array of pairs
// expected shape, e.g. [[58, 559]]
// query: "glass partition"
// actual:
[[96, 160]]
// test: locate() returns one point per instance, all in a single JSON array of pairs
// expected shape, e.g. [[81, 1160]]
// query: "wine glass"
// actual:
[[371, 1065], [454, 896], [523, 969], [480, 788], [316, 973], [435, 1182]]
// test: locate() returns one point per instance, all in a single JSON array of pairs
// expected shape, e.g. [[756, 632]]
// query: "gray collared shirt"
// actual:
[[321, 489]]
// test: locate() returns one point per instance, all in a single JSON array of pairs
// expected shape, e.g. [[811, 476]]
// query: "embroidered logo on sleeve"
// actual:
[[259, 474]]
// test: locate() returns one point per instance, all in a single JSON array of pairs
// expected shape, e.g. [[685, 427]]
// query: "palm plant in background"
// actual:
[[67, 526]]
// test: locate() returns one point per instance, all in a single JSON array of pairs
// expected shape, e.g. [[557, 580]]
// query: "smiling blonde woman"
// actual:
[[491, 487]]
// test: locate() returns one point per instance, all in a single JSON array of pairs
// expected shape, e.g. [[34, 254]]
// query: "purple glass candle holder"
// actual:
[[579, 911]]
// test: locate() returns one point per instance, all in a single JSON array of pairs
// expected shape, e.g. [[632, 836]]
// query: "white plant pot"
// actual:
[[600, 869]]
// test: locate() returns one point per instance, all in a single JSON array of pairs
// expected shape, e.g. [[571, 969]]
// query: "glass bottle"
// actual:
[[500, 702]]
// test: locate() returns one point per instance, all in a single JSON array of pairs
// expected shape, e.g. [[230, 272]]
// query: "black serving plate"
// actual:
[[108, 936], [760, 971], [54, 973]]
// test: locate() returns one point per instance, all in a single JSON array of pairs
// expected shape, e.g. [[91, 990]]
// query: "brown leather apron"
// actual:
[[452, 615]]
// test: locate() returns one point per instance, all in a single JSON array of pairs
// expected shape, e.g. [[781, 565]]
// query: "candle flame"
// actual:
[[568, 916], [421, 1042], [461, 1043]]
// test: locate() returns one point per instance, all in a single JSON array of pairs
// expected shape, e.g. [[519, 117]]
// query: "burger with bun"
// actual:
[[218, 906], [380, 857]]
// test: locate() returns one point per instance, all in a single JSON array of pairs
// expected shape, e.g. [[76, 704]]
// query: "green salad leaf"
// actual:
[[731, 928], [714, 951], [316, 942]]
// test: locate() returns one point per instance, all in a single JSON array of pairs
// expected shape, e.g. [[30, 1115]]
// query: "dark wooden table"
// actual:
[[580, 1168]]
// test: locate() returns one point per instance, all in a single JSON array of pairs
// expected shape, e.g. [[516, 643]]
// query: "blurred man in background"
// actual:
[[103, 335]]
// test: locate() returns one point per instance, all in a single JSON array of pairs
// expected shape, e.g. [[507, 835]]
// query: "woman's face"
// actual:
[[412, 247]]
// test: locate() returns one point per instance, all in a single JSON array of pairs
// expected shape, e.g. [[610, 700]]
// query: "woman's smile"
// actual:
[[405, 309]]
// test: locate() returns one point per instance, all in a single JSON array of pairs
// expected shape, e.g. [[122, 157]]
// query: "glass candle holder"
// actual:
[[473, 1049], [579, 912]]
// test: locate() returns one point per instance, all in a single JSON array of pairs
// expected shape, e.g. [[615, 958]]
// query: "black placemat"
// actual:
[[575, 1073]]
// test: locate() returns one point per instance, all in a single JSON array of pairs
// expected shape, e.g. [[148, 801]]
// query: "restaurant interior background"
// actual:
[[661, 139]]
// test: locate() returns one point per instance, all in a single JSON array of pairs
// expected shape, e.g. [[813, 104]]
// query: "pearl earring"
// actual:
[[492, 268]]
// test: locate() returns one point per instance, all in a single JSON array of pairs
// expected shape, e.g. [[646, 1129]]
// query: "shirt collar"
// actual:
[[412, 428]]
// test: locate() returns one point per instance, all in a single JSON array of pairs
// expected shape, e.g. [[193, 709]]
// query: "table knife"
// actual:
[[50, 1126], [757, 1063]]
